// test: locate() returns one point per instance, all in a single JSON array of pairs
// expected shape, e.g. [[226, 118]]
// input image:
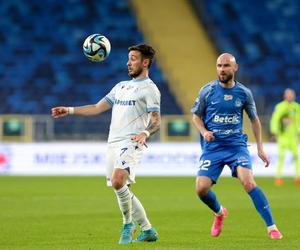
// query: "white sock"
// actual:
[[139, 214], [220, 212], [272, 227], [124, 200]]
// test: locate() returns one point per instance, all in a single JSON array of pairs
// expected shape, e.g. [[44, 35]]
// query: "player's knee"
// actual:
[[117, 183], [249, 185], [202, 190]]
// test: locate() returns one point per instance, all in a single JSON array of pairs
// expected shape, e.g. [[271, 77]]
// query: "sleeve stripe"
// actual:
[[109, 100], [153, 109]]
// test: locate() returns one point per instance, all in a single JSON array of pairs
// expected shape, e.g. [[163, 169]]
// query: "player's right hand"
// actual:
[[58, 112], [208, 136], [141, 139]]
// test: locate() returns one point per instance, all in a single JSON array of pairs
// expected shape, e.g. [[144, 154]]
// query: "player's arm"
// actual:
[[199, 124], [87, 110], [154, 123], [198, 111], [256, 129], [152, 128], [250, 109]]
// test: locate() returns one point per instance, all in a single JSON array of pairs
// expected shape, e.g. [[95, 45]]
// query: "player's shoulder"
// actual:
[[208, 87], [211, 84], [282, 104], [281, 107], [121, 84], [240, 86], [149, 85], [148, 81]]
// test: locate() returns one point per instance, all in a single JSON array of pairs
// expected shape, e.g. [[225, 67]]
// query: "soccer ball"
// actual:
[[96, 47]]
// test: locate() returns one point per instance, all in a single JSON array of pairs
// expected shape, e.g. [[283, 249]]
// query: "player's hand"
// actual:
[[141, 139], [58, 112], [265, 158], [208, 136]]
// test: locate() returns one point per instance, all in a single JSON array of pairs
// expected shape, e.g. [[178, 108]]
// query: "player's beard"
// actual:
[[136, 72], [225, 78]]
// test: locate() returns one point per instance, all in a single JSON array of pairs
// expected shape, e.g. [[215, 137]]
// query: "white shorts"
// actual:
[[123, 156]]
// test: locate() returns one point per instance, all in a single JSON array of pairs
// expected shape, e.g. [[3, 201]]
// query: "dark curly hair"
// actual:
[[147, 52]]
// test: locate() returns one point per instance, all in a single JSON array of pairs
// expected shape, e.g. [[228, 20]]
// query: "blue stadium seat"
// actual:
[[264, 36], [41, 51]]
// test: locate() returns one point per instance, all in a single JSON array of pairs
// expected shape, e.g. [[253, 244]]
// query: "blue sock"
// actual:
[[211, 201], [261, 204]]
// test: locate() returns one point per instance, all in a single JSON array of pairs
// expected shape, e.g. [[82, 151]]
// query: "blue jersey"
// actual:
[[221, 110]]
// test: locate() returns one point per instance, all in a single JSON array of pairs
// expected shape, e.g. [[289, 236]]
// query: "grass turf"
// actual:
[[61, 213]]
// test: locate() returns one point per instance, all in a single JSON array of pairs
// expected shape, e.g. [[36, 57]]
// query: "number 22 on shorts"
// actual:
[[204, 164]]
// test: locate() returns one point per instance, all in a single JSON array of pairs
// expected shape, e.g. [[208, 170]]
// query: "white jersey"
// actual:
[[132, 101]]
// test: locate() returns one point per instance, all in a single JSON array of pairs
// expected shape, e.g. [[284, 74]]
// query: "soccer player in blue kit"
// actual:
[[218, 115]]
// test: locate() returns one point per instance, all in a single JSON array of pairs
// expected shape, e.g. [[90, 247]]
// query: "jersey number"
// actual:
[[123, 150], [204, 164]]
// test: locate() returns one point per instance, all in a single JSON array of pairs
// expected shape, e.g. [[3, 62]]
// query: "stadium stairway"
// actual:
[[184, 51]]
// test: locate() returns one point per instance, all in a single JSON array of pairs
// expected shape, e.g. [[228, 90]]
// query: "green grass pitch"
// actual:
[[66, 213]]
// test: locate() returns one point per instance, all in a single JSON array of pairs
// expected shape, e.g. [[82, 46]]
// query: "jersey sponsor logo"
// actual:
[[227, 131], [125, 102], [226, 119], [228, 97], [214, 102]]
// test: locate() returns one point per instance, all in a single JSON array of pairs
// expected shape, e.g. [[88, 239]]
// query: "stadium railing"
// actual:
[[43, 128]]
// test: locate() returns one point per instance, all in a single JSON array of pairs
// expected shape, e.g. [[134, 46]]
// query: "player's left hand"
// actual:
[[141, 139], [265, 158]]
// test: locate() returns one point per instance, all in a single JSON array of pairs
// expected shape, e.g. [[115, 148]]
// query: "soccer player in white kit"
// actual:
[[135, 116]]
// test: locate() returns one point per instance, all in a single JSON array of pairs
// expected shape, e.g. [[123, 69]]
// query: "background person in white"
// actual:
[[135, 116]]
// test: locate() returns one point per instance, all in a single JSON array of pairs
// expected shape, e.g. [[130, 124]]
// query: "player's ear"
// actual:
[[146, 62], [236, 67]]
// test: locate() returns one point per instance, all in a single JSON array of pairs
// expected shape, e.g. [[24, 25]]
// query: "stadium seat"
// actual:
[[264, 39], [42, 60]]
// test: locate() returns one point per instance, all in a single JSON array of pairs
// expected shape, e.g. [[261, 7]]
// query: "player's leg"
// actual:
[[206, 195], [148, 233], [139, 214], [119, 183], [117, 177], [280, 162], [209, 171], [259, 200], [294, 150]]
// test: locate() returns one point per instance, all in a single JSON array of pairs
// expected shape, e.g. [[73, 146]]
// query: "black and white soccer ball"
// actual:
[[96, 47]]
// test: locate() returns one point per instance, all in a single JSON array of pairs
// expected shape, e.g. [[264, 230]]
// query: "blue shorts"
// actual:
[[212, 163]]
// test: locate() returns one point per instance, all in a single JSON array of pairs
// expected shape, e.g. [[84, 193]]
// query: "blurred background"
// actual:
[[42, 63]]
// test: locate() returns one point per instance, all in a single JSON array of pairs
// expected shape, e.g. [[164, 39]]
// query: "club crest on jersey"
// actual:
[[228, 97], [238, 102]]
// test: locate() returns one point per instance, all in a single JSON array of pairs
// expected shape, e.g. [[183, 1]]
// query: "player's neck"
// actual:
[[228, 85], [141, 76]]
